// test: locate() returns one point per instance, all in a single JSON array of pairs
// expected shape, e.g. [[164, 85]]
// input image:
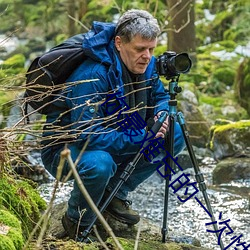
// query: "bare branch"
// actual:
[[66, 154]]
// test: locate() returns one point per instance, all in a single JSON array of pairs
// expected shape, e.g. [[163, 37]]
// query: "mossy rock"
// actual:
[[128, 244], [11, 237], [231, 169], [22, 200], [231, 139], [224, 75]]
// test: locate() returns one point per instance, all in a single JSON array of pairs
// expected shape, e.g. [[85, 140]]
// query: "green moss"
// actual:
[[235, 125], [21, 199], [13, 71], [212, 100], [91, 247], [16, 237], [228, 45], [127, 244], [16, 61], [225, 75], [9, 219], [6, 243], [13, 239], [173, 246]]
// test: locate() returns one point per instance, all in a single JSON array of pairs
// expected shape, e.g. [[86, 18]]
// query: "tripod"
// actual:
[[173, 90]]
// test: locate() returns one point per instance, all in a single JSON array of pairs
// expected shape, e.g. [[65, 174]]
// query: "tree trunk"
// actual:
[[72, 13], [181, 27], [83, 7]]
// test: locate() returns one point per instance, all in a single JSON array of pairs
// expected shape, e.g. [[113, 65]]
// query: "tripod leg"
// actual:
[[170, 149], [164, 229], [198, 175]]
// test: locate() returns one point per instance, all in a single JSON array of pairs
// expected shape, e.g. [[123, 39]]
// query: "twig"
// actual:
[[137, 236], [77, 21], [99, 238], [66, 154]]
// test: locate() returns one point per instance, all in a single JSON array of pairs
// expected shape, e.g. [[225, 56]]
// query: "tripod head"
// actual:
[[174, 89]]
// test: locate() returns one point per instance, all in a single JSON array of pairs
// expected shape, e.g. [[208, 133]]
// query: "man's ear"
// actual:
[[118, 42]]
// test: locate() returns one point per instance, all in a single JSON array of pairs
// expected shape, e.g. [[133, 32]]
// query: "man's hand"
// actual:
[[164, 128]]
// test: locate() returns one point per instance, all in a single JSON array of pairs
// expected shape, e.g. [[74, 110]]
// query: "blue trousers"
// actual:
[[100, 170]]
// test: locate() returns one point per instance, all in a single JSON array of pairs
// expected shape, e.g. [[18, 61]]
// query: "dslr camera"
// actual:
[[171, 65]]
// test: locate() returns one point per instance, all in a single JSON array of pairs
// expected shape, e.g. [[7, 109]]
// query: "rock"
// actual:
[[231, 169], [184, 159], [228, 110], [231, 139], [30, 167], [149, 238], [197, 125], [188, 95], [206, 109]]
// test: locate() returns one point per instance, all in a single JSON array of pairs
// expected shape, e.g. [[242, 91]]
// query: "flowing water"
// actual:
[[188, 219]]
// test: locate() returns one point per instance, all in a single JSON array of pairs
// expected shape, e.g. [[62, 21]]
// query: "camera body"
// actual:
[[171, 65]]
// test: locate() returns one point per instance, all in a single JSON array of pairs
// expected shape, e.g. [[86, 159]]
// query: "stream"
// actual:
[[187, 220]]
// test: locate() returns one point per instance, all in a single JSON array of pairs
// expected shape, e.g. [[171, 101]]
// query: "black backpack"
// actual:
[[47, 74]]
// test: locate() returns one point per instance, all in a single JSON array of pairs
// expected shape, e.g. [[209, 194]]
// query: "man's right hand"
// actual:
[[164, 128]]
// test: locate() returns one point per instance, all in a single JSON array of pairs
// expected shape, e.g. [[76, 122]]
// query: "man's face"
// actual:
[[137, 53]]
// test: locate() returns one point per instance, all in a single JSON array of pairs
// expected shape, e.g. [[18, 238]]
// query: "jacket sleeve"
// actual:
[[88, 116]]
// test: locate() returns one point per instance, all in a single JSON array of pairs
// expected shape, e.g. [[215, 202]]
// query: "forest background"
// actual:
[[214, 33]]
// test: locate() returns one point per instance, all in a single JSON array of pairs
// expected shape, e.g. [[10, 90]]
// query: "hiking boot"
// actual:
[[121, 211], [75, 231]]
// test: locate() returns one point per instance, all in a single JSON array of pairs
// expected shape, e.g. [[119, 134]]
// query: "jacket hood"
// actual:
[[98, 43]]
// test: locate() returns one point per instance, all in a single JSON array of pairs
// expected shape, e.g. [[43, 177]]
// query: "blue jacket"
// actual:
[[89, 117]]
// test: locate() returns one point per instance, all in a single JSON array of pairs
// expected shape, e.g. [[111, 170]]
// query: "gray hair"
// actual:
[[137, 22]]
